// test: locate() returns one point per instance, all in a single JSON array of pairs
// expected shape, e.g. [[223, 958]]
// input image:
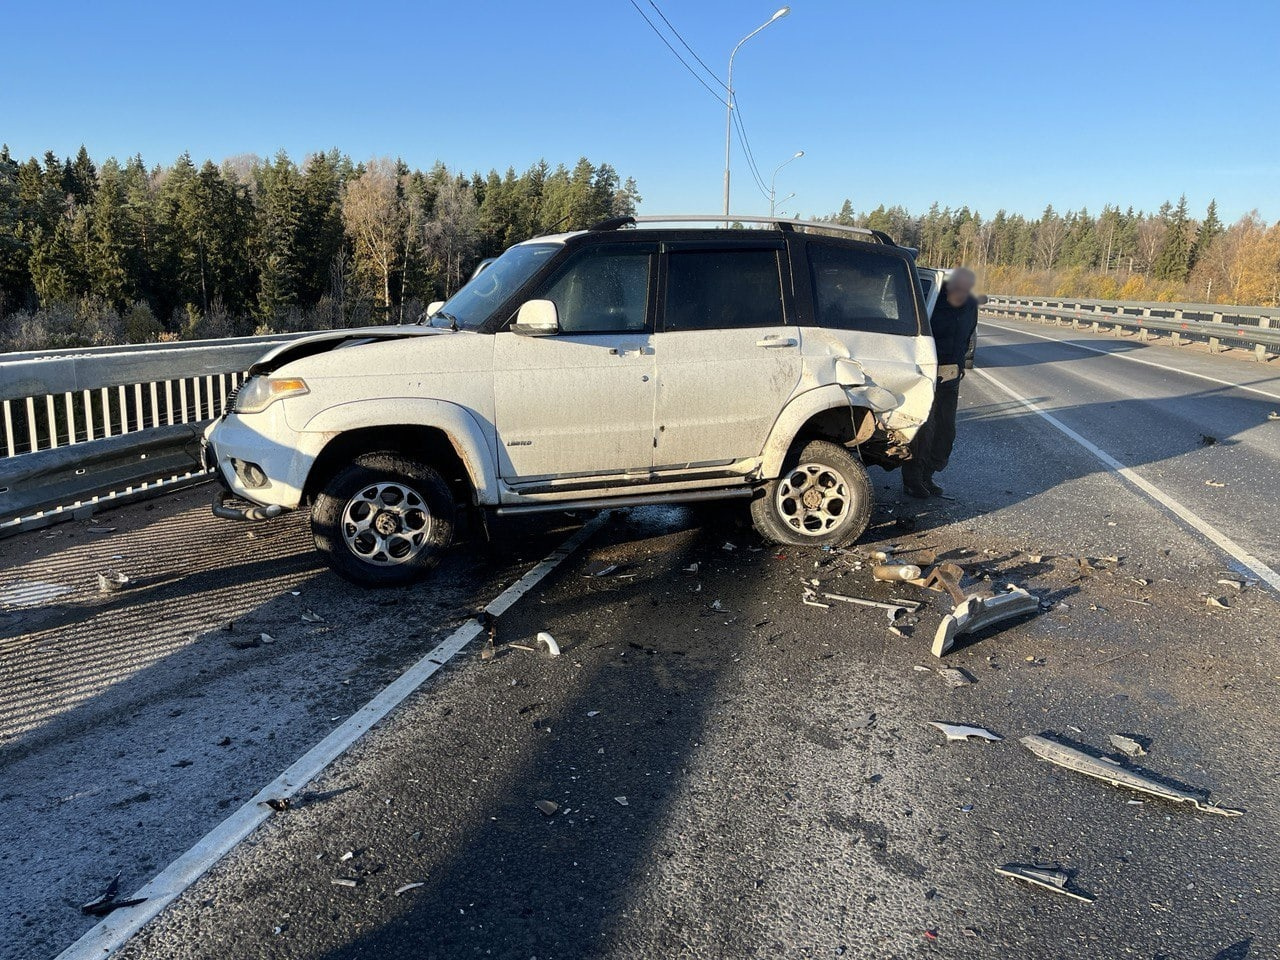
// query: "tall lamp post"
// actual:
[[728, 109], [789, 196], [773, 184]]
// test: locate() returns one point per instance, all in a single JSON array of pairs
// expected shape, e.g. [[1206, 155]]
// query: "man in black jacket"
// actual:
[[954, 320]]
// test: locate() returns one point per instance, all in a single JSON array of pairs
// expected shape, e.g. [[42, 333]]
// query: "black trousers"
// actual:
[[931, 448]]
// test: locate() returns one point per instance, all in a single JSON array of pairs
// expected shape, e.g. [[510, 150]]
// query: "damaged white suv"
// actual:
[[615, 366]]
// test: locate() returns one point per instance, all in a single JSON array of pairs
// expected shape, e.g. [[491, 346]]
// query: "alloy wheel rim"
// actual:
[[813, 499], [386, 524]]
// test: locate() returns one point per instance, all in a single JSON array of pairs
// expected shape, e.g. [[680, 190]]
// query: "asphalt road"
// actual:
[[784, 795]]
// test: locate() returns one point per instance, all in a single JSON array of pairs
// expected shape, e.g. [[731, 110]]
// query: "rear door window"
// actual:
[[855, 289], [722, 289]]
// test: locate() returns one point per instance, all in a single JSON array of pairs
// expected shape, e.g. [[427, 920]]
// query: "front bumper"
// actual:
[[259, 459]]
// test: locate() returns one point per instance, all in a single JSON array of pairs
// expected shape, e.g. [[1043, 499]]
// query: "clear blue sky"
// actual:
[[992, 105]]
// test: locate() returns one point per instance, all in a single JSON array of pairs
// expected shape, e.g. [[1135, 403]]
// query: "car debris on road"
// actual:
[[960, 731], [1047, 877], [955, 677], [108, 900], [1127, 745], [977, 612], [896, 572], [1071, 758], [548, 641], [113, 581]]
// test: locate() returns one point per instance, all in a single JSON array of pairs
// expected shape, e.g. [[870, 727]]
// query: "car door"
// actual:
[[579, 404], [866, 301], [930, 284], [727, 358]]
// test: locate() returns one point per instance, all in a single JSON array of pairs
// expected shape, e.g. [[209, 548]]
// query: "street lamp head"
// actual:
[[780, 14], [799, 154]]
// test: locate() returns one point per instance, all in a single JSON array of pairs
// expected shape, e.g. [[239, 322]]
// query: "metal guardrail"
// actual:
[[1255, 328], [82, 428]]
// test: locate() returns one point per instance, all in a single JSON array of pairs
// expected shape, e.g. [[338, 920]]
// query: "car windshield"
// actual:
[[475, 302]]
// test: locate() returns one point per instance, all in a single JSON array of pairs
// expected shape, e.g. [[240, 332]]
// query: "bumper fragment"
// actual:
[[252, 512]]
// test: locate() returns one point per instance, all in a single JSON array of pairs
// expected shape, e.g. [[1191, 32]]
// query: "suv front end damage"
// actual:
[[257, 458]]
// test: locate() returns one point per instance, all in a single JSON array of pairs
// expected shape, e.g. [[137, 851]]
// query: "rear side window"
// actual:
[[859, 290], [718, 289], [605, 289]]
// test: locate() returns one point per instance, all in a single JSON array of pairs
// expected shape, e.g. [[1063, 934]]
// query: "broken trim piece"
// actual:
[[1072, 759], [1047, 878], [977, 613], [961, 731]]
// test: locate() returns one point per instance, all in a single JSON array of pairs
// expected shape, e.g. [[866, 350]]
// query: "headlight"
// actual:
[[258, 393]]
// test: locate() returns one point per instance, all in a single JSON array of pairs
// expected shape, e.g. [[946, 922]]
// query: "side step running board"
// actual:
[[639, 500]]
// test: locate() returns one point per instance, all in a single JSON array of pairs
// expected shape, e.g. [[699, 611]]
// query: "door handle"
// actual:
[[773, 341], [630, 351]]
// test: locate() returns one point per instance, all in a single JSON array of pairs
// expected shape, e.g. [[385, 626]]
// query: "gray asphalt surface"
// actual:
[[1187, 435], [765, 814]]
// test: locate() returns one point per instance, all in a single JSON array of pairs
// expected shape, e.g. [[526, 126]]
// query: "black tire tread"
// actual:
[[326, 515], [765, 518]]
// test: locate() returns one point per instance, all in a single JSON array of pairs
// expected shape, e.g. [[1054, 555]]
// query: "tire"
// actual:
[[834, 475], [383, 521]]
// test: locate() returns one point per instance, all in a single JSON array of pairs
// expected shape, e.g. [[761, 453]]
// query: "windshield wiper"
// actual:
[[430, 321]]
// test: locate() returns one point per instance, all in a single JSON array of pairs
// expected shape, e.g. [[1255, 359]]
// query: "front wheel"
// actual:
[[822, 498], [384, 520]]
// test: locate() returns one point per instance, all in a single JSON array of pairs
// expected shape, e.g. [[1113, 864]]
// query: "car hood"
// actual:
[[278, 356]]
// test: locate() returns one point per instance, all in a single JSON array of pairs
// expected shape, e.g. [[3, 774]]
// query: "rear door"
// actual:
[[931, 285], [727, 357], [867, 301], [580, 404]]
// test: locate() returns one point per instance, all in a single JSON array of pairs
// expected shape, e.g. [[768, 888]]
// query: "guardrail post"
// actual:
[[1175, 338], [1260, 349], [1215, 345]]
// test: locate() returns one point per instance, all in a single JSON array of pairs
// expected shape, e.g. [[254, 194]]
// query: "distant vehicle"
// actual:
[[607, 367]]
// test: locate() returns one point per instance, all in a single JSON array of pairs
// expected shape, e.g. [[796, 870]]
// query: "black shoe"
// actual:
[[914, 488], [929, 485]]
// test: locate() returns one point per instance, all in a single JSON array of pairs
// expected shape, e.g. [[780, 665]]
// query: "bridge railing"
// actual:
[[82, 428], [1219, 325]]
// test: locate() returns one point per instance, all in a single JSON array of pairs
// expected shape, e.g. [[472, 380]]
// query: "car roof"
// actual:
[[735, 230]]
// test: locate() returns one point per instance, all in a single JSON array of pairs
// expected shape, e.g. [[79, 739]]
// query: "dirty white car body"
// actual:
[[525, 403]]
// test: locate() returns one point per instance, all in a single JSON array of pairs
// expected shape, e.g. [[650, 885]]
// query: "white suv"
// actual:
[[615, 366]]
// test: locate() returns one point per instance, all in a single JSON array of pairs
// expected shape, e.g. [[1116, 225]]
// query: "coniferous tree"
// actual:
[[1210, 230], [1173, 260]]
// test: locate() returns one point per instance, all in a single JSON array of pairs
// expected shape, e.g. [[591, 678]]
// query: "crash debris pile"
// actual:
[[1107, 769], [971, 613]]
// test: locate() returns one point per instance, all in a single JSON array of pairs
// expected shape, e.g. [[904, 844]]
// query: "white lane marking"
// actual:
[[111, 933], [1242, 556], [1131, 359]]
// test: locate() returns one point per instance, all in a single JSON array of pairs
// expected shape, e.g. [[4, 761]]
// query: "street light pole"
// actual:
[[783, 200], [728, 105], [773, 184]]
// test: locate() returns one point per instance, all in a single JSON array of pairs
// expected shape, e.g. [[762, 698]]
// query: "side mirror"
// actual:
[[537, 318], [433, 307]]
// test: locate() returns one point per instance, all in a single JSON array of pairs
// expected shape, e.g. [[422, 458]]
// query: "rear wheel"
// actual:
[[821, 498], [384, 520]]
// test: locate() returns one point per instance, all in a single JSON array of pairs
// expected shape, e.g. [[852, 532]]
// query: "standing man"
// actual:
[[954, 321]]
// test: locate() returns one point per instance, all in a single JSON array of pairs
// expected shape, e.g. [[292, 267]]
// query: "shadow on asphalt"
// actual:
[[558, 886]]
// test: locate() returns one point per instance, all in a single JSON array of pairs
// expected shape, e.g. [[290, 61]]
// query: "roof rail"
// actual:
[[782, 223]]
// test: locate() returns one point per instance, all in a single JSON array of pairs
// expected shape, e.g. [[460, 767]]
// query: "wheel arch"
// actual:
[[442, 435], [821, 414]]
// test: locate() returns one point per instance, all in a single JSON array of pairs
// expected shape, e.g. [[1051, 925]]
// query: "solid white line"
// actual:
[[1242, 556], [111, 933], [1132, 359]]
